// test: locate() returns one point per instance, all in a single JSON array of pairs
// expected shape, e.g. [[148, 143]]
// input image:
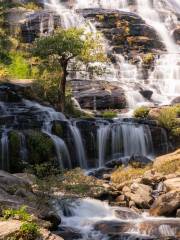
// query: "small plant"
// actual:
[[109, 114], [20, 214], [141, 112], [28, 231]]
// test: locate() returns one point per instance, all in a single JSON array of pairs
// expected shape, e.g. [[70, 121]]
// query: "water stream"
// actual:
[[88, 216]]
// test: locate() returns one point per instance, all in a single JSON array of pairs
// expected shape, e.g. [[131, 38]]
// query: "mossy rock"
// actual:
[[57, 129], [40, 147], [16, 164]]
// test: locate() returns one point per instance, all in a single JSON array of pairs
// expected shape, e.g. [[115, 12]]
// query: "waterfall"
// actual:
[[5, 149], [79, 146], [166, 75], [102, 135], [126, 140], [49, 115], [23, 147]]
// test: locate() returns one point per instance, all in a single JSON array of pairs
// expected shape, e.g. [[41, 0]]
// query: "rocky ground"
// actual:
[[154, 189]]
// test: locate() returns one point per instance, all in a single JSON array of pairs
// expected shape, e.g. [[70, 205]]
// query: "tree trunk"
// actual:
[[62, 88]]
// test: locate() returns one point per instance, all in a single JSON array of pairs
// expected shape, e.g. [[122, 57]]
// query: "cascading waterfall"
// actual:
[[126, 139], [166, 75]]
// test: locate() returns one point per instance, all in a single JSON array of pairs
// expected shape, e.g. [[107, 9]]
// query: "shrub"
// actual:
[[141, 112], [109, 114]]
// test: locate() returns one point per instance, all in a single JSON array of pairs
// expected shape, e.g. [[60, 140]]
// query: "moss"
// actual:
[[141, 112], [109, 114], [57, 129], [40, 147]]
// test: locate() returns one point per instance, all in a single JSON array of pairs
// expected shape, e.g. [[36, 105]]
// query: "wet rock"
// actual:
[[69, 233], [176, 35], [126, 214], [146, 94], [175, 100], [113, 227], [52, 217], [144, 228], [139, 160], [161, 229], [166, 204]]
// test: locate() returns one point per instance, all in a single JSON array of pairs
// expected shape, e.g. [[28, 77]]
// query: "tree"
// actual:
[[65, 45]]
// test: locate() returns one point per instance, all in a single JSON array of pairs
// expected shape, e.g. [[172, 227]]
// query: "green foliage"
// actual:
[[43, 170], [19, 67], [29, 231], [67, 44], [141, 112], [109, 114], [20, 214]]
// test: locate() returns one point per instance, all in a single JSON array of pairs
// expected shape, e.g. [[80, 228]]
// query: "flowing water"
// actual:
[[120, 223]]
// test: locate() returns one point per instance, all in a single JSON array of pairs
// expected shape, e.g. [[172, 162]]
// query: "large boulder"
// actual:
[[172, 184], [140, 194], [166, 204]]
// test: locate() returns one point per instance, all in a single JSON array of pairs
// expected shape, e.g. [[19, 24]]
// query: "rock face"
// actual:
[[100, 96], [16, 191]]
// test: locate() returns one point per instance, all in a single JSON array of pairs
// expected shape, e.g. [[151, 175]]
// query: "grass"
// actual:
[[168, 164], [71, 182], [123, 174]]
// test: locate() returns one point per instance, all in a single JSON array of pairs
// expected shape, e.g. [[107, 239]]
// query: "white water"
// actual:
[[103, 137], [87, 212], [126, 139], [5, 149], [79, 146], [165, 80]]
